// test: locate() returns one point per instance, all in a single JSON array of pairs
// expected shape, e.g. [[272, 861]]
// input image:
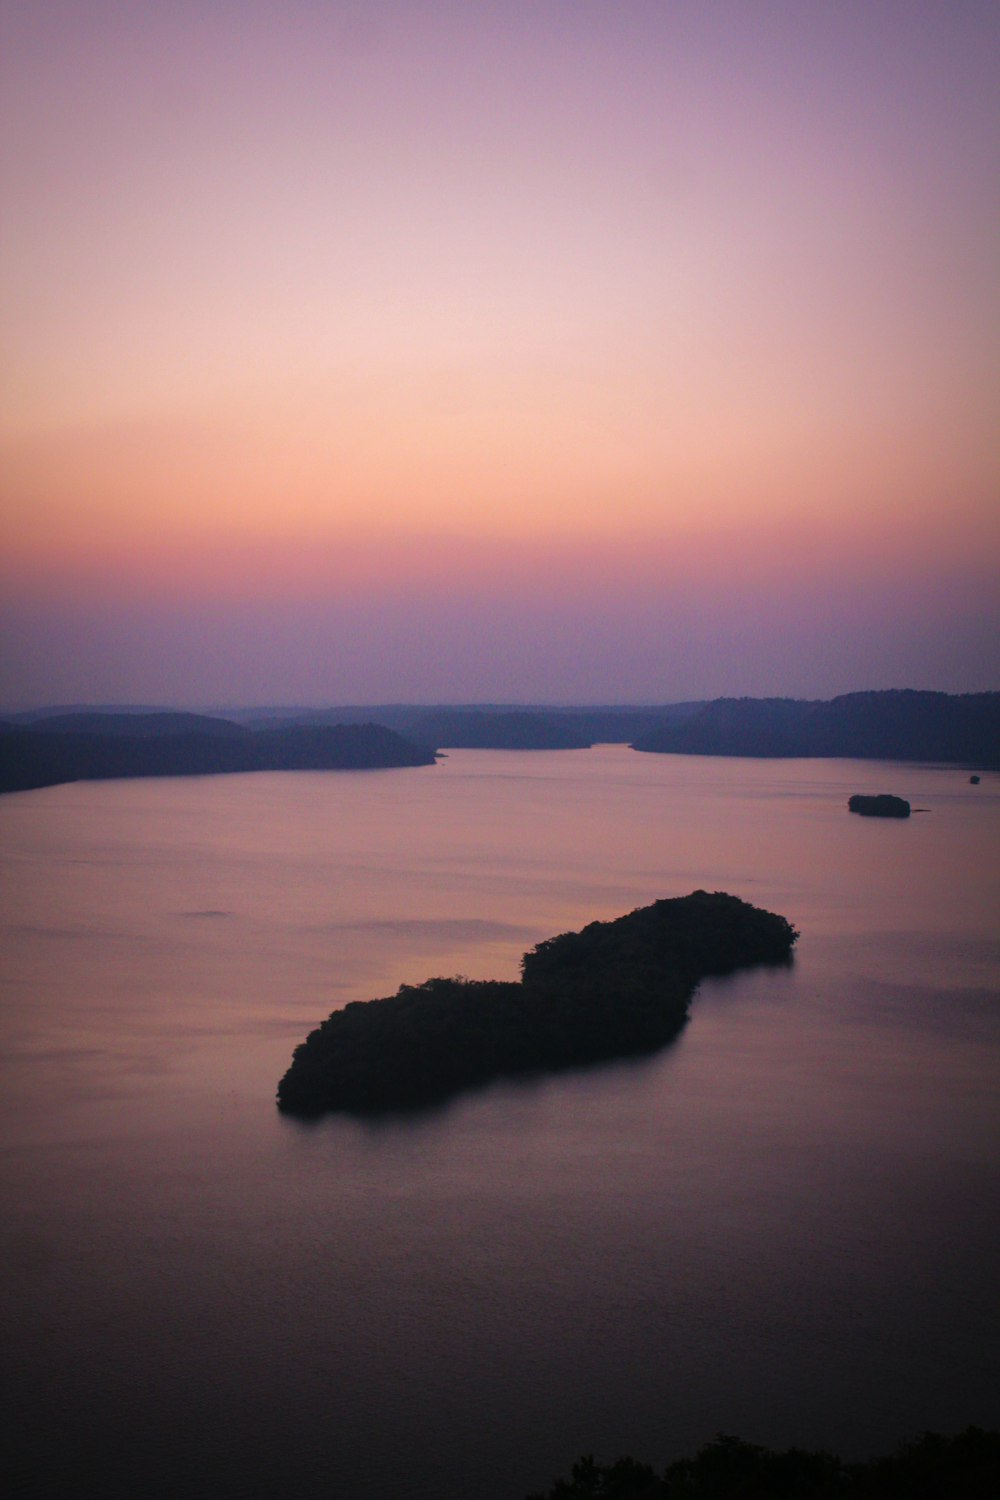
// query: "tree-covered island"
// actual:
[[615, 989], [880, 805]]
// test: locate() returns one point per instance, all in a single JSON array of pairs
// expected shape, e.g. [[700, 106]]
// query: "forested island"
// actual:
[[102, 747], [879, 805], [614, 989]]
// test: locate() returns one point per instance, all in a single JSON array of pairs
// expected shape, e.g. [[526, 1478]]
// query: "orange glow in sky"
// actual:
[[595, 322]]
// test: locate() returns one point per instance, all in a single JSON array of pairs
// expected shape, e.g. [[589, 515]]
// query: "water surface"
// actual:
[[784, 1226]]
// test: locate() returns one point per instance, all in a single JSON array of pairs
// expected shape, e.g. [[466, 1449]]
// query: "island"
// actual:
[[107, 747], [615, 989], [882, 805]]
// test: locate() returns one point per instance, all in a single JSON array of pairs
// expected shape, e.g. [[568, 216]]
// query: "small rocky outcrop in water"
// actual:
[[614, 989], [882, 806]]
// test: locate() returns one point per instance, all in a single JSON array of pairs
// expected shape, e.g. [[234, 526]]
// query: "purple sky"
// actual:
[[605, 350]]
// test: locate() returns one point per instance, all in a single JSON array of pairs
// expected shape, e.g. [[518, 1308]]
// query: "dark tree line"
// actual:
[[894, 725], [965, 1467], [31, 757], [881, 805]]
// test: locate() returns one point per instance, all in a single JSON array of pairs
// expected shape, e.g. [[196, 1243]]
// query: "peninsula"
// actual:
[[103, 747], [961, 728], [614, 989]]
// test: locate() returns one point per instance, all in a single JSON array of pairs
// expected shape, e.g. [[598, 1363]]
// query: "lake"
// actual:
[[784, 1226]]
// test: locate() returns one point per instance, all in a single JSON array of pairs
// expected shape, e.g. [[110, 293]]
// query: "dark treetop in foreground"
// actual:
[[614, 989], [897, 725], [966, 1467], [154, 745]]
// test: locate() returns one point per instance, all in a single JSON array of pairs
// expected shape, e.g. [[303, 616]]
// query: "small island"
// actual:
[[884, 805], [612, 990]]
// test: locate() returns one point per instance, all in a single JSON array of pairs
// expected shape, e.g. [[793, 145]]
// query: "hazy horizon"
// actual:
[[481, 705], [435, 352]]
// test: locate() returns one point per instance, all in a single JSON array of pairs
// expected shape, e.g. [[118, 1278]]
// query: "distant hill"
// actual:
[[37, 757], [894, 725], [489, 726], [137, 725], [471, 730], [621, 725], [58, 710]]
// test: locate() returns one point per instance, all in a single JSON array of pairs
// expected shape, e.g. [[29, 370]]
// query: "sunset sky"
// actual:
[[521, 350]]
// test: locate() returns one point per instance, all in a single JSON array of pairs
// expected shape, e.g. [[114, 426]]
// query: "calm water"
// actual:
[[785, 1226]]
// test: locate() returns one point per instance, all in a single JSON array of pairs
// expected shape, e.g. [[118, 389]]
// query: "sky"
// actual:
[[503, 350]]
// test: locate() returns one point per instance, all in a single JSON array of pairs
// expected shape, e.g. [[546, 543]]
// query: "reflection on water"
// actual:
[[783, 1226]]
